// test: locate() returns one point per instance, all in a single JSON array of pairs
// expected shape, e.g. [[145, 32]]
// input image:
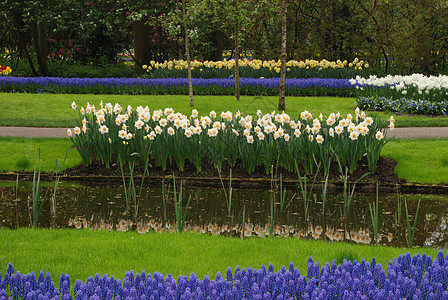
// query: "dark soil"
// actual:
[[385, 173]]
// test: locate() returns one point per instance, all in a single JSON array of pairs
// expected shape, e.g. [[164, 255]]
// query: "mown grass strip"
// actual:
[[81, 253], [53, 110], [19, 154], [419, 160]]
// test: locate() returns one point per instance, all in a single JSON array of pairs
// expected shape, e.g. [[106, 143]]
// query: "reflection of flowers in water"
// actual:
[[360, 236]]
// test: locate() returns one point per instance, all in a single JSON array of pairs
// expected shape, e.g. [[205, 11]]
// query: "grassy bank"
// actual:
[[82, 253], [419, 160], [53, 110], [19, 154]]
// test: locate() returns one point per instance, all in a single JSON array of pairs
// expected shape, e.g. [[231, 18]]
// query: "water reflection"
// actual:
[[102, 207]]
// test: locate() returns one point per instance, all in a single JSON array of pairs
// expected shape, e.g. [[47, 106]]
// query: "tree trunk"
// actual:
[[281, 98], [18, 24], [140, 35], [187, 50], [219, 45], [40, 45], [237, 58]]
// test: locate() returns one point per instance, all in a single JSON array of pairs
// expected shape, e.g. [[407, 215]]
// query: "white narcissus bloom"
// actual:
[[76, 130], [84, 128], [151, 135], [379, 135], [129, 136], [354, 135], [104, 129], [110, 140], [261, 136], [250, 139], [297, 132], [197, 129], [286, 137], [188, 133], [331, 132], [235, 132], [339, 129], [311, 138], [69, 132], [212, 114], [117, 109], [170, 130], [168, 111], [74, 106], [139, 124], [122, 134], [212, 132], [194, 113], [319, 139], [81, 110], [163, 122]]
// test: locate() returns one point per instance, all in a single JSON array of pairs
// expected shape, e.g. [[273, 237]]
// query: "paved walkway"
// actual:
[[403, 132]]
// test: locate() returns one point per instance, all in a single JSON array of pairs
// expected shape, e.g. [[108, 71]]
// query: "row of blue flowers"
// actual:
[[403, 105], [215, 86], [417, 277]]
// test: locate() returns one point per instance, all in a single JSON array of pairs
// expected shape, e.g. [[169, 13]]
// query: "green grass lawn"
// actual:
[[53, 110], [81, 253], [419, 160], [20, 154]]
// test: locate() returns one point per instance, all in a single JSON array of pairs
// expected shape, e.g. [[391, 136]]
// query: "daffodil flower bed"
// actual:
[[5, 70], [110, 133], [177, 86], [259, 68], [406, 277]]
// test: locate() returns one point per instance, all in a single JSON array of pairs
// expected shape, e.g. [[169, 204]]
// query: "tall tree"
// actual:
[[281, 98], [187, 50]]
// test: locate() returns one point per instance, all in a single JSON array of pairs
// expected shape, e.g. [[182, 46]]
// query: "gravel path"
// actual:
[[403, 132]]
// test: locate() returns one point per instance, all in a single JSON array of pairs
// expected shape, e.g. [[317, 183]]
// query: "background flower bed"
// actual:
[[403, 105], [166, 86], [416, 277]]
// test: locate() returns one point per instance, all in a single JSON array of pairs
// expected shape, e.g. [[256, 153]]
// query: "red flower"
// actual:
[[153, 40]]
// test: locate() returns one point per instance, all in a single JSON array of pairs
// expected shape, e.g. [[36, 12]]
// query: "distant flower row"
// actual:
[[413, 87], [214, 86], [403, 105], [111, 133], [5, 70], [406, 277], [259, 68]]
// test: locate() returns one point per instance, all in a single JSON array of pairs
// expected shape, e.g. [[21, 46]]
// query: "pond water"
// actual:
[[103, 207]]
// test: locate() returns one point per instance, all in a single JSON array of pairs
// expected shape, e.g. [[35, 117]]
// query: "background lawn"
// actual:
[[53, 110]]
